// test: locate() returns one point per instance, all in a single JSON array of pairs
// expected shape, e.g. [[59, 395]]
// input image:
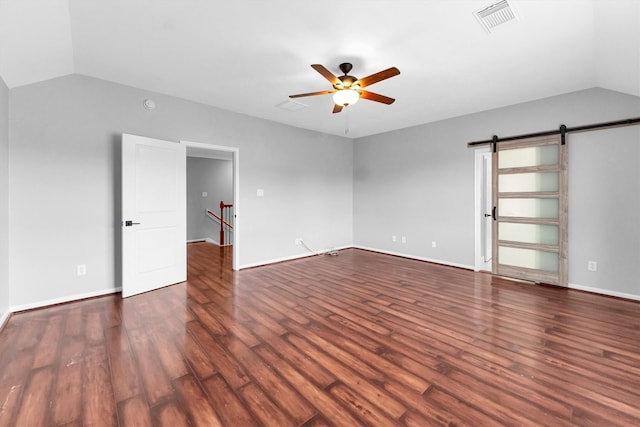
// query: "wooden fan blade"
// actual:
[[322, 92], [379, 76], [376, 97], [326, 73], [337, 108]]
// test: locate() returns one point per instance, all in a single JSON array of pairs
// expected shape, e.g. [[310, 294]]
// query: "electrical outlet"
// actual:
[[394, 238], [81, 269], [404, 239], [592, 266], [298, 241], [433, 243]]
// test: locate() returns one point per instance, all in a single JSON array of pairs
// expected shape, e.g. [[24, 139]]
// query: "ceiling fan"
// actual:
[[348, 89]]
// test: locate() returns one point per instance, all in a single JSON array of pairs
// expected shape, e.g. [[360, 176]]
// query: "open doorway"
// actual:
[[212, 179], [209, 184], [483, 210]]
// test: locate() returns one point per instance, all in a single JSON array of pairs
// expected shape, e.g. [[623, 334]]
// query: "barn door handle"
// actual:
[[492, 214], [129, 223]]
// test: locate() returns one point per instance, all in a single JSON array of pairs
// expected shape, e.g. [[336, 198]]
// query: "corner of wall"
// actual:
[[4, 203]]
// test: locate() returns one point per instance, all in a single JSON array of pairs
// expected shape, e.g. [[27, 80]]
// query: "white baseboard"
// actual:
[[604, 292], [473, 268], [291, 258], [273, 261], [206, 239], [69, 298], [403, 255], [4, 318]]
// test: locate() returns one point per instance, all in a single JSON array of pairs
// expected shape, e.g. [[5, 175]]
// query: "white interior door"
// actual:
[[154, 231]]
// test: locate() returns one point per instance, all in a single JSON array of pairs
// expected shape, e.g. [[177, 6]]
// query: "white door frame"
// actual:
[[479, 210], [235, 161]]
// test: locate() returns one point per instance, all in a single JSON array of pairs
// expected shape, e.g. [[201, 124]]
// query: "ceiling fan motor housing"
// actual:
[[346, 81]]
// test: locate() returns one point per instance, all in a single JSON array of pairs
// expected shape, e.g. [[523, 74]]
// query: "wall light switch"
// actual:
[[404, 239], [393, 238], [592, 266], [260, 192], [204, 194]]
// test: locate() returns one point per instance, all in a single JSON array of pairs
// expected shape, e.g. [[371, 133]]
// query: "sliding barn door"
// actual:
[[530, 210]]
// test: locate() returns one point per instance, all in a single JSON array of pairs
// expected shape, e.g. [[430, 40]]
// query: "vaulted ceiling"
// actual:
[[249, 55]]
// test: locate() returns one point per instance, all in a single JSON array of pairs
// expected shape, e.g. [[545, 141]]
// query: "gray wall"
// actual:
[[604, 210], [4, 200], [419, 182], [64, 137], [215, 177], [63, 205]]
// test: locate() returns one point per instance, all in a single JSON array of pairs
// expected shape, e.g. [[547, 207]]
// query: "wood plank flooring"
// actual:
[[355, 339]]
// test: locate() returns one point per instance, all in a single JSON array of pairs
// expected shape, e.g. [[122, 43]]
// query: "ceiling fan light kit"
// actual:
[[347, 90], [346, 97]]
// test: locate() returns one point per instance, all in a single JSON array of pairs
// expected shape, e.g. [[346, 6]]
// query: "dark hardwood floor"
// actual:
[[356, 339]]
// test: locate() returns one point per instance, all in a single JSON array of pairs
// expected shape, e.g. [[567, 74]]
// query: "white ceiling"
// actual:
[[248, 56]]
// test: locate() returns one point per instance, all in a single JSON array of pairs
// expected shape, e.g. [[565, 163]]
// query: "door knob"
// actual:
[[129, 223]]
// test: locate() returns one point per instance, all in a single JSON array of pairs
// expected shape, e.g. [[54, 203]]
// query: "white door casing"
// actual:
[[153, 214], [483, 209], [235, 159]]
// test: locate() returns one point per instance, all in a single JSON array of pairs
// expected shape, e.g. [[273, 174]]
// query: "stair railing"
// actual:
[[226, 216], [226, 221]]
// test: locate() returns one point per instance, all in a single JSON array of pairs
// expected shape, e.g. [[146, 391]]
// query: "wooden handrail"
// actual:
[[216, 216]]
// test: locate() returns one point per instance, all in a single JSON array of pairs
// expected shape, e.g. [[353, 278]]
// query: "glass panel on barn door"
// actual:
[[529, 208], [530, 185]]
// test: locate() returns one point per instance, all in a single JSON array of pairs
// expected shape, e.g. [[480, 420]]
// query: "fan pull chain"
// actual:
[[346, 121]]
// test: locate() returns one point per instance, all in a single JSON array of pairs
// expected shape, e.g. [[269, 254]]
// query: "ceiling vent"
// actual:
[[496, 14], [290, 105]]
